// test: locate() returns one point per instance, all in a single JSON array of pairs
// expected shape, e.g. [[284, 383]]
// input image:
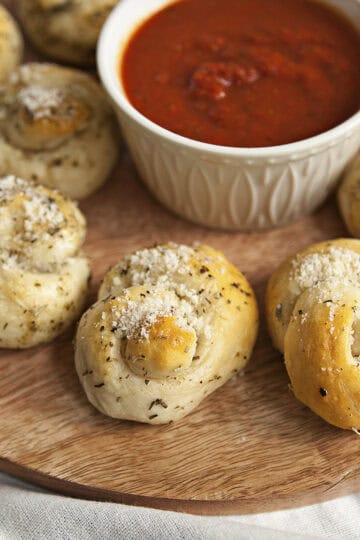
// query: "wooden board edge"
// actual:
[[344, 487]]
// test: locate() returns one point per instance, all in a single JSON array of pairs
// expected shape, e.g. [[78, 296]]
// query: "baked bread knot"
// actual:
[[43, 274], [172, 324], [65, 30], [349, 197], [313, 313], [11, 44], [57, 128]]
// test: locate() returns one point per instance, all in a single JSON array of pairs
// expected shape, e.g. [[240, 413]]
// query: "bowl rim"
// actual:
[[109, 46]]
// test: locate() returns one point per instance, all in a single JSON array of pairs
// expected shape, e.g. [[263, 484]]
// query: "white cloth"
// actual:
[[29, 513]]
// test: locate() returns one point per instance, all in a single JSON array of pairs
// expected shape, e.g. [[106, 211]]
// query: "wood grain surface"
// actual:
[[249, 447]]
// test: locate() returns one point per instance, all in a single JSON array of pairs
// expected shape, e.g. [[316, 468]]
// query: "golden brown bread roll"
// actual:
[[43, 274], [322, 353], [313, 313], [172, 324], [57, 128], [65, 30], [349, 197], [316, 264], [11, 44]]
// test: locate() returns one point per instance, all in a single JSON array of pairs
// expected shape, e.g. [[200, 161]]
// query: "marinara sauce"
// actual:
[[245, 73]]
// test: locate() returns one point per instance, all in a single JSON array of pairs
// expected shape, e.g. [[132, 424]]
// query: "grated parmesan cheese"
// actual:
[[338, 264], [328, 273], [40, 213], [135, 319], [167, 271], [40, 101], [29, 217]]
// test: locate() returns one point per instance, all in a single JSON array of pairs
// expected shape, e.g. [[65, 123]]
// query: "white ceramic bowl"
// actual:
[[217, 186]]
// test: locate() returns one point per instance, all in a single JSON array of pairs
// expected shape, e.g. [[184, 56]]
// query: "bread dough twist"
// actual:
[[313, 313], [65, 30], [57, 128], [43, 275], [349, 197], [172, 324], [11, 44]]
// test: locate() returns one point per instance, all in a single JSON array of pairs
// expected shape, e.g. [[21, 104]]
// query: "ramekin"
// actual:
[[217, 186]]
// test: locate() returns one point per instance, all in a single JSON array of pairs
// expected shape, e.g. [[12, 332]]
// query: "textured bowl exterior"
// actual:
[[237, 193], [226, 188]]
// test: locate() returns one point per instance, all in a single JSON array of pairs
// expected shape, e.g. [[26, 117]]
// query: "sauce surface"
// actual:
[[244, 73]]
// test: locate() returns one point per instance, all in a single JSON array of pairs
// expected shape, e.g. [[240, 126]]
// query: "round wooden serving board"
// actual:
[[249, 447]]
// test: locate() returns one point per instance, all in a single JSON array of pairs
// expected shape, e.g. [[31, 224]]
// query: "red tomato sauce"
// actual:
[[244, 73]]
